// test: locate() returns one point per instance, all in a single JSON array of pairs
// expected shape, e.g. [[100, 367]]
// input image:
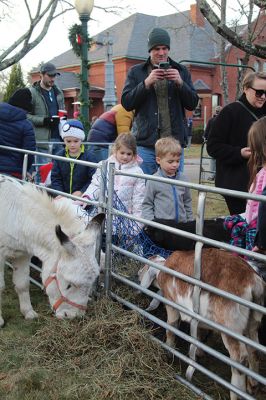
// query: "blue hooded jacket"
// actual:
[[70, 177], [15, 131]]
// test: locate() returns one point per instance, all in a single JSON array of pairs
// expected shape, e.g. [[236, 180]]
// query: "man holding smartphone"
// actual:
[[47, 99], [159, 90]]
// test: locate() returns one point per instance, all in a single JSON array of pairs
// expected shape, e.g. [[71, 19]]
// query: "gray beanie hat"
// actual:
[[158, 37]]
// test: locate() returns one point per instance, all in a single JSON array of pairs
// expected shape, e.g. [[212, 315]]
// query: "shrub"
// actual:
[[197, 134]]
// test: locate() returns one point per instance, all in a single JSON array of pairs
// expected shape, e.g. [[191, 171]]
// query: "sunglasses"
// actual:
[[258, 92], [52, 75]]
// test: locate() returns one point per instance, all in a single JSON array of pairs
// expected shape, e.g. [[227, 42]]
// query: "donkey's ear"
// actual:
[[64, 240]]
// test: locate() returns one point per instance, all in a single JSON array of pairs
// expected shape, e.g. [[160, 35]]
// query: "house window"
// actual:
[[256, 66], [216, 100], [198, 110], [264, 67], [240, 62]]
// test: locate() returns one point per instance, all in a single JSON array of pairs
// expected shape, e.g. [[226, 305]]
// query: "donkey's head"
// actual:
[[70, 286]]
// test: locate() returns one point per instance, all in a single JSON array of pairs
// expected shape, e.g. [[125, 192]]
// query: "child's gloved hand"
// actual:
[[81, 203]]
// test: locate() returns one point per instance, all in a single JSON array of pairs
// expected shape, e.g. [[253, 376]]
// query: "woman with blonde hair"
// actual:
[[227, 141]]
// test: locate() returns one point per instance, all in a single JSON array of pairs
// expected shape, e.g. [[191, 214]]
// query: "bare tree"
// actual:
[[4, 77], [224, 82], [249, 38], [232, 36], [39, 20]]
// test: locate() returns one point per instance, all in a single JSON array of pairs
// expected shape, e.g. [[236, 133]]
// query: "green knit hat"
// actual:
[[158, 37]]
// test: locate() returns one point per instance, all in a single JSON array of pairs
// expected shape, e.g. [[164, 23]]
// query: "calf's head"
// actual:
[[148, 274]]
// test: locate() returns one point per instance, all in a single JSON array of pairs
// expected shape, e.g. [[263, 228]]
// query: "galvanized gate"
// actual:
[[113, 278]]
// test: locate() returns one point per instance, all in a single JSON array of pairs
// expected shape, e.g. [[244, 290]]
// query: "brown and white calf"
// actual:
[[226, 272]]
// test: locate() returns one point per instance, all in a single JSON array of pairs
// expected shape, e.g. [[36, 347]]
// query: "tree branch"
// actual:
[[50, 13], [260, 3], [228, 34]]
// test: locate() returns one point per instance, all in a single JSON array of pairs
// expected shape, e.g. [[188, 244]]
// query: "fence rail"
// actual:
[[111, 273]]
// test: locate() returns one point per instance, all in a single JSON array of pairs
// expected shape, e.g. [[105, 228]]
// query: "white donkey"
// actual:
[[31, 223]]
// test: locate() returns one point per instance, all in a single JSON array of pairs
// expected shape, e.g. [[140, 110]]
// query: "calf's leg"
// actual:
[[21, 280], [172, 319], [237, 352], [253, 356]]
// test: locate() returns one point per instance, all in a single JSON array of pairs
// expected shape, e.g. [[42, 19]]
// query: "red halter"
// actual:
[[62, 299]]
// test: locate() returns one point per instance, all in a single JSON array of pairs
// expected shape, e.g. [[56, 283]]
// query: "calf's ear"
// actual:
[[147, 276], [96, 221]]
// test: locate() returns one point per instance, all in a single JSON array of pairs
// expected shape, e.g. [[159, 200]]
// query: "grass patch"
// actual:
[[193, 151], [215, 205]]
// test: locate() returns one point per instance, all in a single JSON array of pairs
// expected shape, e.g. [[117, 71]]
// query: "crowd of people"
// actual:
[[149, 131]]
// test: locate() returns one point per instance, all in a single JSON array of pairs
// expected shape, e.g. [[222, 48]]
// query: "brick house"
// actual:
[[193, 41]]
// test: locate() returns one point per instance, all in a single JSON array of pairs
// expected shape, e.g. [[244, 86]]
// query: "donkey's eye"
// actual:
[[68, 286]]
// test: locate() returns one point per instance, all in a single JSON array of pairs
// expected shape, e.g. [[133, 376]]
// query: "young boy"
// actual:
[[163, 202], [71, 177]]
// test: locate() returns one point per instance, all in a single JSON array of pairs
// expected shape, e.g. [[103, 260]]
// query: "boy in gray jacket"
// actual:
[[171, 205], [163, 202]]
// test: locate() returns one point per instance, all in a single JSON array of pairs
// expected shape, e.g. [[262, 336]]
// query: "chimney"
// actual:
[[196, 16]]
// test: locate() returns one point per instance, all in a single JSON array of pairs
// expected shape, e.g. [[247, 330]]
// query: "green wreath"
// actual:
[[75, 32]]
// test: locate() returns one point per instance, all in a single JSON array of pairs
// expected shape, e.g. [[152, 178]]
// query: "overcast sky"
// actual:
[[56, 40]]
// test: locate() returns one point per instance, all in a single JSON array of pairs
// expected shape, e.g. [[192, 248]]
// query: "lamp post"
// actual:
[[109, 99], [84, 9]]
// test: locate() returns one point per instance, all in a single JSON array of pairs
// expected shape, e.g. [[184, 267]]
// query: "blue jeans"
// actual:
[[149, 165]]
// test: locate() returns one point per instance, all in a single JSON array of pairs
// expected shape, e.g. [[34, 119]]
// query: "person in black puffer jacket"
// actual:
[[16, 131]]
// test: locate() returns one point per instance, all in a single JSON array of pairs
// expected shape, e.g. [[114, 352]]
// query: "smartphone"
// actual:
[[164, 65]]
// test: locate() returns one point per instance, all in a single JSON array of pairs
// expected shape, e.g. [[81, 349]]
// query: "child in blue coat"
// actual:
[[70, 177]]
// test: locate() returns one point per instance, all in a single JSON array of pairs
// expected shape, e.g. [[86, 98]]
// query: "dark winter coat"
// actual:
[[209, 127], [228, 135], [70, 177], [110, 124], [144, 101], [15, 131]]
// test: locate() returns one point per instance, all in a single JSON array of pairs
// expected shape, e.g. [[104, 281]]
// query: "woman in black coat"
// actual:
[[227, 142]]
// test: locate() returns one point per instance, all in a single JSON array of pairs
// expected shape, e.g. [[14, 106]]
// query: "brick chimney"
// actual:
[[196, 16]]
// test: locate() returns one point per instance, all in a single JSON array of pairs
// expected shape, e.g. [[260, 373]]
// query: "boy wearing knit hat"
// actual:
[[69, 177], [159, 90]]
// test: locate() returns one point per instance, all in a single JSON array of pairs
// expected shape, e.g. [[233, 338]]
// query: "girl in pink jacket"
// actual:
[[257, 166], [130, 190], [243, 227]]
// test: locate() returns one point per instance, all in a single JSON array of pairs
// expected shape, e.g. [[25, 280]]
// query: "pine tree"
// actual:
[[15, 81]]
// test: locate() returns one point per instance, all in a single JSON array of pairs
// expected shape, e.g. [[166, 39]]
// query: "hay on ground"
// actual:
[[107, 355]]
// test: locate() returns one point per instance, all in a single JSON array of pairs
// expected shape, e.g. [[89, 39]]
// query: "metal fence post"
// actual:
[[109, 228], [25, 166], [197, 275]]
